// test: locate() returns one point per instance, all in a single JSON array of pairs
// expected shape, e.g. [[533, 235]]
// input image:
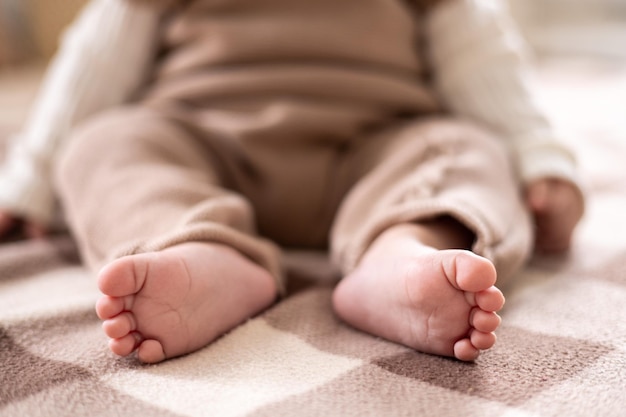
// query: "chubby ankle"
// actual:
[[439, 233]]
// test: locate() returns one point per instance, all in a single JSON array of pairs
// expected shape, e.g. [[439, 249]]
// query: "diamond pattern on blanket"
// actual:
[[29, 382], [82, 398], [250, 367], [595, 391], [544, 359], [370, 391], [583, 306], [54, 292], [24, 374], [75, 338]]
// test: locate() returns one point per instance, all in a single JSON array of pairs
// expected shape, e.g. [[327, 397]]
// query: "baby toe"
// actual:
[[124, 276], [151, 351], [490, 299], [124, 346], [464, 350], [484, 321], [120, 325], [472, 272], [482, 340], [109, 307]]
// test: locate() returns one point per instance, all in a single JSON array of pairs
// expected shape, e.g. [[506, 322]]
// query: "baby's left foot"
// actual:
[[435, 301]]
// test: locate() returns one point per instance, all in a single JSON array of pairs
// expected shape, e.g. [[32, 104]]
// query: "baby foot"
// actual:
[[169, 303], [435, 301]]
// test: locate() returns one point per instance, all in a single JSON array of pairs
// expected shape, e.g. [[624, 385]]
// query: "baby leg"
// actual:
[[182, 264], [421, 236]]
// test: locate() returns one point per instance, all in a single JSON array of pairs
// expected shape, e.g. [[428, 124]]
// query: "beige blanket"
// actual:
[[561, 349]]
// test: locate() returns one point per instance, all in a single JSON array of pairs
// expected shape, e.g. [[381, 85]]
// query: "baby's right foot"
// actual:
[[169, 303], [435, 301]]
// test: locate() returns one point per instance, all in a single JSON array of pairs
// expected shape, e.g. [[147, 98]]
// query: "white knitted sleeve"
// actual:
[[102, 60], [482, 73]]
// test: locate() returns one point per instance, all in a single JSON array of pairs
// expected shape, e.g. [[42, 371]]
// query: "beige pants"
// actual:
[[138, 179]]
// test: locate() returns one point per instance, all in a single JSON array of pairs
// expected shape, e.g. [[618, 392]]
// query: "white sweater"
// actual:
[[477, 56]]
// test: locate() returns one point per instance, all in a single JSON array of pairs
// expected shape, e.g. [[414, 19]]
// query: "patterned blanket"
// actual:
[[561, 349]]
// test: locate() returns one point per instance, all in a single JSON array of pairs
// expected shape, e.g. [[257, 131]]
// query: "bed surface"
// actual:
[[561, 349]]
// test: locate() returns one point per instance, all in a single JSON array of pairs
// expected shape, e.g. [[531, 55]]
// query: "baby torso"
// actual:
[[303, 66]]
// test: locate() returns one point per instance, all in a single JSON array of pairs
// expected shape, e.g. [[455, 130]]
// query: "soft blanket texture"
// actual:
[[561, 349]]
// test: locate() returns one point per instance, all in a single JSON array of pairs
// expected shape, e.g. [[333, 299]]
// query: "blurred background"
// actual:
[[571, 27], [30, 28], [29, 35]]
